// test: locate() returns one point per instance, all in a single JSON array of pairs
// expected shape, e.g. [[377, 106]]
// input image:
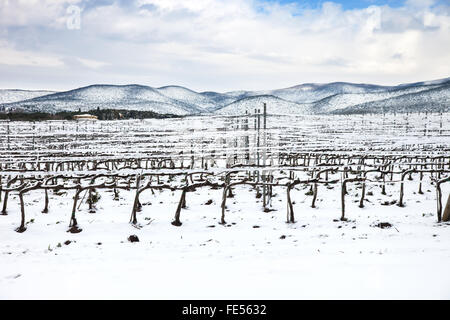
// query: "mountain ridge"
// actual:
[[315, 98]]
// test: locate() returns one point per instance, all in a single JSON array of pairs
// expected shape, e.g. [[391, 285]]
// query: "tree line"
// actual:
[[102, 114]]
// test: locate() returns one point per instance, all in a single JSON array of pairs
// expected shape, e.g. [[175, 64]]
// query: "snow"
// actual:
[[302, 99], [318, 259], [341, 101], [314, 258], [187, 96], [308, 93], [435, 99], [133, 97], [274, 106], [14, 95]]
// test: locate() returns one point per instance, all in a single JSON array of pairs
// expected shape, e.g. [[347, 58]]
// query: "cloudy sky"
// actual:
[[221, 45]]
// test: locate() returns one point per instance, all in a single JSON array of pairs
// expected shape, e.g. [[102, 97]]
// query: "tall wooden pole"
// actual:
[[265, 115], [446, 216]]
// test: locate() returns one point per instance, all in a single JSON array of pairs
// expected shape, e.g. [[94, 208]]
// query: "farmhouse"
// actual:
[[85, 117]]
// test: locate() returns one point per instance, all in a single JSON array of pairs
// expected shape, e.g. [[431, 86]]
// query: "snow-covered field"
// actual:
[[313, 258], [256, 254]]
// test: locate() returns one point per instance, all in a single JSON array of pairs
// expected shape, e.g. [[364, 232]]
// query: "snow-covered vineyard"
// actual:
[[302, 201]]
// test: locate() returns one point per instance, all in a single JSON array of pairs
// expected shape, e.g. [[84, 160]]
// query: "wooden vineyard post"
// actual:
[[344, 192], [258, 138], [5, 199], [363, 193], [363, 190], [313, 204], [343, 200], [439, 199], [33, 133], [383, 187], [177, 221], [7, 128], [264, 190], [45, 210], [223, 205], [264, 156], [22, 227], [265, 115], [420, 184], [400, 201], [133, 218], [290, 208], [446, 216], [73, 221], [246, 140]]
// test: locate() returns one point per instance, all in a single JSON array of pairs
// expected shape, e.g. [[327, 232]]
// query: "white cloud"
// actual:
[[92, 63], [12, 57], [34, 12], [420, 3], [249, 44]]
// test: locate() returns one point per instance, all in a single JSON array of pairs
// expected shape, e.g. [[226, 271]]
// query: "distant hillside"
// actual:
[[274, 104], [309, 98], [131, 97], [345, 98], [310, 92], [14, 95], [220, 99], [342, 101], [431, 100], [202, 102]]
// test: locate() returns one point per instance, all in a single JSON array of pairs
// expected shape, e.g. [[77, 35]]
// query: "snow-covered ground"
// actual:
[[257, 255]]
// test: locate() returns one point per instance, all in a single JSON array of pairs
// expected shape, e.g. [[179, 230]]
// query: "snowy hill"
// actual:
[[342, 101], [311, 92], [14, 95], [346, 97], [132, 97], [336, 97], [221, 99], [304, 93], [275, 105], [308, 92], [432, 100], [191, 97]]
